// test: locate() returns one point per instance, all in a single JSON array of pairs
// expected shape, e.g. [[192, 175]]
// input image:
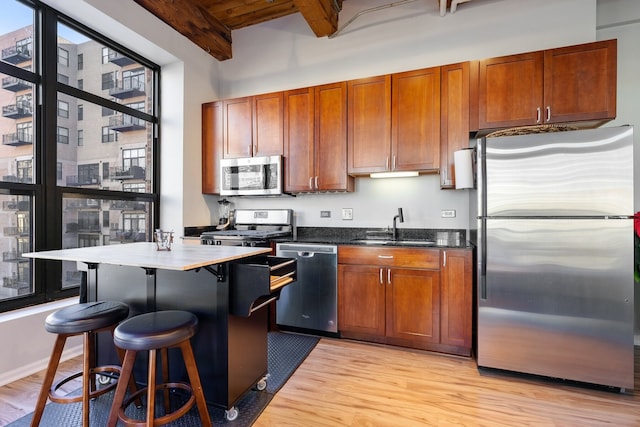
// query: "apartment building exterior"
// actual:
[[97, 148]]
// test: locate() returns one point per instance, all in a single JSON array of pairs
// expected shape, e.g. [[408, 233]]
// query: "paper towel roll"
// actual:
[[463, 166]]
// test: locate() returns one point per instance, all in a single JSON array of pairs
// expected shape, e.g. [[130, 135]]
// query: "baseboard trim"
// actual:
[[37, 366]]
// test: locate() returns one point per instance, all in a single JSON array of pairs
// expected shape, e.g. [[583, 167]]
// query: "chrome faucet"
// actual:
[[395, 228]]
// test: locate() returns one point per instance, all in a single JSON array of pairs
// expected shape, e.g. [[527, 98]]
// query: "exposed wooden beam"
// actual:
[[194, 22], [321, 15]]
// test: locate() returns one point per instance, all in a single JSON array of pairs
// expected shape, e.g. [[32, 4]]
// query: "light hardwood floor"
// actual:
[[346, 383]]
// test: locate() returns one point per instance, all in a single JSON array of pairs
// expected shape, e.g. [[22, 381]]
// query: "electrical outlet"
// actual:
[[347, 214], [448, 213], [325, 214]]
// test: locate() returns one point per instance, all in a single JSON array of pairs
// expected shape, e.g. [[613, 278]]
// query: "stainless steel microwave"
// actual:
[[251, 176]]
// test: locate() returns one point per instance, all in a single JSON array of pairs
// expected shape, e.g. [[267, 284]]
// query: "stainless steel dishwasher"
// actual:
[[311, 303]]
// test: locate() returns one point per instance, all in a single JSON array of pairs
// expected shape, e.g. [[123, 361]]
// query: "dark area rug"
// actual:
[[286, 352]]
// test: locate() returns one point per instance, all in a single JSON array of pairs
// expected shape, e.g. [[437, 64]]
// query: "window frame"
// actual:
[[44, 193]]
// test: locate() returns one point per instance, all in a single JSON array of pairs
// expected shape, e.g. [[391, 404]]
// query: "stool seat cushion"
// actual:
[[155, 330], [85, 317]]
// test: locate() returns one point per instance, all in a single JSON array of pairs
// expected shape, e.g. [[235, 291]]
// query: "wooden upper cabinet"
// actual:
[[253, 126], [565, 85], [315, 136], [238, 127], [415, 120], [299, 168], [510, 91], [580, 82], [267, 124], [394, 122], [212, 142], [454, 117], [331, 138], [369, 124]]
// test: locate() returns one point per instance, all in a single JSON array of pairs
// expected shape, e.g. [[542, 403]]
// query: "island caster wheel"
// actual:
[[262, 384], [231, 414], [104, 379]]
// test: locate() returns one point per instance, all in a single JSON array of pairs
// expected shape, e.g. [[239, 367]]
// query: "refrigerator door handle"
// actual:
[[483, 260]]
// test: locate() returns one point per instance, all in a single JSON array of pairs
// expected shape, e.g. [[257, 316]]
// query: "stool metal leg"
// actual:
[[48, 379]]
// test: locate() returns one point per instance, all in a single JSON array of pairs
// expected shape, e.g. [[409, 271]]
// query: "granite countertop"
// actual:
[[350, 236]]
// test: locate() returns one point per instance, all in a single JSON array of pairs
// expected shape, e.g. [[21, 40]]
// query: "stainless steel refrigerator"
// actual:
[[555, 254]]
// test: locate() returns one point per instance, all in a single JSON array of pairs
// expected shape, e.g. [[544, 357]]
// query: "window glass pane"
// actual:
[[16, 33], [103, 71], [16, 126], [15, 239], [96, 222], [120, 142]]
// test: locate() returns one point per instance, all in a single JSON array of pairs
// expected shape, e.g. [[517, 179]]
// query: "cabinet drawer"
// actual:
[[387, 256]]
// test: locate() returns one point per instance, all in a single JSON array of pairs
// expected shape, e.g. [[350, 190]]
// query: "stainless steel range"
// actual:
[[253, 227]]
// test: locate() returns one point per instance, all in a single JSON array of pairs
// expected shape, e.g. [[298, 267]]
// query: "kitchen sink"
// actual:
[[378, 242]]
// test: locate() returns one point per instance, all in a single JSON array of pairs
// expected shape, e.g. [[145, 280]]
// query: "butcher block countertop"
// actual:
[[145, 255]]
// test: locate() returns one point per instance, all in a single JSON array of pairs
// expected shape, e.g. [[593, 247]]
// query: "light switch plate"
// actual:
[[448, 213], [347, 214]]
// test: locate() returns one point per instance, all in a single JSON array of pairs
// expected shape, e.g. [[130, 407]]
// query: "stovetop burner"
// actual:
[[251, 224]]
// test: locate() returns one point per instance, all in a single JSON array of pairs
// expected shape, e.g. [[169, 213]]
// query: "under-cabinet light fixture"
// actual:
[[394, 174]]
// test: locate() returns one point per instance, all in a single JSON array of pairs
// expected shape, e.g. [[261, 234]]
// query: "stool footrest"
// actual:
[[56, 397], [166, 418]]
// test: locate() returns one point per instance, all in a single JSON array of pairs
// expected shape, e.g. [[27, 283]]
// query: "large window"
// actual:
[[57, 194]]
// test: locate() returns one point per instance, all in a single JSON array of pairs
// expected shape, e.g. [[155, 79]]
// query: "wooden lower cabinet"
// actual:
[[418, 298]]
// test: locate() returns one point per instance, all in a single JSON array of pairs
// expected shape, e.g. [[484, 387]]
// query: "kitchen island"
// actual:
[[230, 349]]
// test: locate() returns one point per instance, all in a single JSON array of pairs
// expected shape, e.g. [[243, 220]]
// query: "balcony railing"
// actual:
[[119, 59], [127, 88], [18, 110], [128, 205], [13, 256], [20, 179], [126, 123], [17, 139], [15, 231], [15, 205], [16, 54], [133, 172], [76, 181], [128, 236], [85, 227], [82, 204], [15, 84]]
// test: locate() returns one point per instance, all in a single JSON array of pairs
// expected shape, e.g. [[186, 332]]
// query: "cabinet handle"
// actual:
[[444, 258], [385, 256], [538, 115], [548, 113], [387, 167], [249, 150], [388, 276], [316, 182], [381, 279], [394, 162], [310, 183]]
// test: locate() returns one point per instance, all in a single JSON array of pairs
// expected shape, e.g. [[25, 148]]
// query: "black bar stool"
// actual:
[[151, 332], [80, 319]]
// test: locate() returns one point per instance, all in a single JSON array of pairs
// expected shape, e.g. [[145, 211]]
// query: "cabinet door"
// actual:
[[267, 124], [298, 140], [212, 142], [415, 120], [361, 300], [580, 82], [510, 91], [369, 124], [454, 118], [457, 298], [413, 304], [238, 125], [331, 138]]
